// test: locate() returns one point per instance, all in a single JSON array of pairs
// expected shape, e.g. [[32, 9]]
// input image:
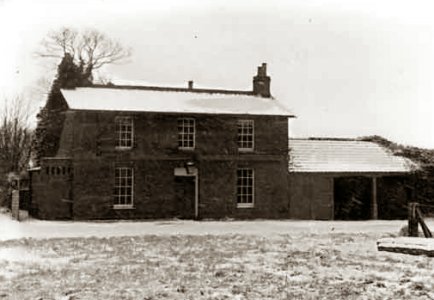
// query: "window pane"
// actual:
[[124, 131], [245, 186], [186, 132], [123, 189], [245, 134]]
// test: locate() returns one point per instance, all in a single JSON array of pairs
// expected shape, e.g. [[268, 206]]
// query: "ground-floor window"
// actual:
[[123, 189], [245, 187]]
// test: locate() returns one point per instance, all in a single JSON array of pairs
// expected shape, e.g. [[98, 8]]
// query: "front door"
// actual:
[[185, 196]]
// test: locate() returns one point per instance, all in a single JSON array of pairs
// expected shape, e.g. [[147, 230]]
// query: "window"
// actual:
[[245, 188], [123, 189], [124, 132], [186, 132], [245, 135]]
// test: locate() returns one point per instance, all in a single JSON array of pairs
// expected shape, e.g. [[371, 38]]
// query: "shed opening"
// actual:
[[352, 198]]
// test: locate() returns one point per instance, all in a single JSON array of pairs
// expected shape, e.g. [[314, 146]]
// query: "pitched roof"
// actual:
[[351, 156], [172, 100]]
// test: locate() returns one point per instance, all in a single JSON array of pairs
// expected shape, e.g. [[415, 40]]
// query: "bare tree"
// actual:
[[90, 49], [15, 135]]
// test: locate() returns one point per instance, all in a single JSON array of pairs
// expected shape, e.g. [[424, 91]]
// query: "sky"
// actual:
[[344, 68]]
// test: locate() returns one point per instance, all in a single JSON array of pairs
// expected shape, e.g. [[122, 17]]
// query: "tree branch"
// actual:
[[90, 49]]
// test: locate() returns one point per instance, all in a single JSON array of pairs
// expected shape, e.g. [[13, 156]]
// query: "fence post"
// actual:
[[412, 219], [15, 205]]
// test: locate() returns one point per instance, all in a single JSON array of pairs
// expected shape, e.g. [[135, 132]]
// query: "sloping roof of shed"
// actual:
[[344, 156], [172, 101]]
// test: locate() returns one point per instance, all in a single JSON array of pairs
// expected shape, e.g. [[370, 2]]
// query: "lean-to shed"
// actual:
[[346, 179]]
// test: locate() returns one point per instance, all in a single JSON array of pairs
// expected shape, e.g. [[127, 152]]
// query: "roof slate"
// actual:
[[345, 156], [170, 101]]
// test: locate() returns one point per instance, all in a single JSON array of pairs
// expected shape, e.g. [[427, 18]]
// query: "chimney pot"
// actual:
[[190, 84], [262, 70]]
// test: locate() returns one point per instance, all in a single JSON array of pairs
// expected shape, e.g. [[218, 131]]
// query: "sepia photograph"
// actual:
[[200, 149]]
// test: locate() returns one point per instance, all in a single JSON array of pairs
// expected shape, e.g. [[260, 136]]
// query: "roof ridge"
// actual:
[[171, 89], [327, 139]]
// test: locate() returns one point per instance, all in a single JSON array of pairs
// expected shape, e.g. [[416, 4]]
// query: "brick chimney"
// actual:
[[261, 82]]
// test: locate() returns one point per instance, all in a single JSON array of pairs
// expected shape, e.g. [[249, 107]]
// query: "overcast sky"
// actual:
[[345, 68]]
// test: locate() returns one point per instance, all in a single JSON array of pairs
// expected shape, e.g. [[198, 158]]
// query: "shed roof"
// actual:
[[344, 156], [172, 100]]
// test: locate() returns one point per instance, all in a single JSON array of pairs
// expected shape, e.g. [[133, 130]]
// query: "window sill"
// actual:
[[246, 150], [185, 149], [120, 207], [245, 205], [123, 148]]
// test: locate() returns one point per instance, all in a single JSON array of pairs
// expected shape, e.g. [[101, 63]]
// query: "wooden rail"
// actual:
[[412, 244]]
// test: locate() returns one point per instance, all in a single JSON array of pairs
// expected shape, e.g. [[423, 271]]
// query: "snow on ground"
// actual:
[[173, 259], [408, 242], [230, 266], [31, 228]]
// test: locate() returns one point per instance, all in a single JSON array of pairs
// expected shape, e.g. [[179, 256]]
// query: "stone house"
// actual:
[[135, 152]]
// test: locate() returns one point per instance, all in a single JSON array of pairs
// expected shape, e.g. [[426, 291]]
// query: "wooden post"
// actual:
[[374, 204], [426, 232], [15, 206], [412, 219]]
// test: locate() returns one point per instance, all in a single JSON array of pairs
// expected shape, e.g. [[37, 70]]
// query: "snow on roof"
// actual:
[[308, 155], [148, 100], [144, 83], [138, 82]]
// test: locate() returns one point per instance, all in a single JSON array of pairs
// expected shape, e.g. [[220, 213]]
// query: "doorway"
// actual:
[[185, 197], [352, 198]]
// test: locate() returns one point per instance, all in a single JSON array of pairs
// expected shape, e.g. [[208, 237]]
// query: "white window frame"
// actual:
[[124, 143], [118, 186], [245, 185], [242, 134], [185, 136]]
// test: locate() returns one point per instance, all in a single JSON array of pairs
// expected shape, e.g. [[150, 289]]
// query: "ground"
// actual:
[[207, 260]]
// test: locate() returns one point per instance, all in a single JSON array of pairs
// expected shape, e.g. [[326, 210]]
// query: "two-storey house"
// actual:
[[136, 152]]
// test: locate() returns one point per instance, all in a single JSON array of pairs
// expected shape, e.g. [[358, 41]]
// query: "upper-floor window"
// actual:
[[245, 187], [186, 133], [245, 135], [123, 188], [124, 132]]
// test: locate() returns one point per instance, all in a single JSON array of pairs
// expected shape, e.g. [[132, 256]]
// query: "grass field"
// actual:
[[298, 265]]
